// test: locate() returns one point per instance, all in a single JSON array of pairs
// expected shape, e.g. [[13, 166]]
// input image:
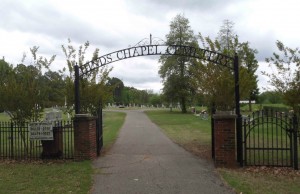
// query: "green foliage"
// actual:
[[270, 97], [155, 100], [6, 72], [128, 96], [93, 87], [39, 62], [54, 85], [213, 81], [216, 82], [23, 88], [92, 93], [175, 70], [118, 86], [286, 78], [131, 96]]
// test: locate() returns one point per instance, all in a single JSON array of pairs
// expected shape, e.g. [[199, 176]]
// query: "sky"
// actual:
[[112, 25]]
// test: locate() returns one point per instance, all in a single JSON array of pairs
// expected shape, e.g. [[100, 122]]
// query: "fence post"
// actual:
[[99, 134], [11, 139], [76, 89], [239, 135], [85, 146], [225, 140], [295, 134]]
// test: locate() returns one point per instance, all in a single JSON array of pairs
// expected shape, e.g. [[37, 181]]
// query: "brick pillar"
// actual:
[[225, 140], [85, 147]]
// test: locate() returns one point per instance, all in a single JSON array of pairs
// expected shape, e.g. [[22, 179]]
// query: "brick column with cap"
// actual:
[[85, 146], [225, 140]]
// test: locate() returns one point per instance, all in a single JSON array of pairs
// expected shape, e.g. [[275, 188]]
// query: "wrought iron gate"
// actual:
[[270, 139]]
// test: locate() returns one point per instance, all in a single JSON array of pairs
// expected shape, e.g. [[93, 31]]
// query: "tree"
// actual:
[[225, 35], [93, 86], [174, 70], [155, 99], [270, 97], [230, 44], [22, 89], [213, 80], [118, 87], [215, 83], [248, 61], [6, 72], [54, 84], [286, 78], [131, 95]]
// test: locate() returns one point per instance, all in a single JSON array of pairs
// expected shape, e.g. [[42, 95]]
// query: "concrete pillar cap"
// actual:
[[82, 115], [225, 115]]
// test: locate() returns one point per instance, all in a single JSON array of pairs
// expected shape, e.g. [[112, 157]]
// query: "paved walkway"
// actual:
[[144, 160]]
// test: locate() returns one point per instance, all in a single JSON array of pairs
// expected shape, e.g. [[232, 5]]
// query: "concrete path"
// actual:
[[144, 160]]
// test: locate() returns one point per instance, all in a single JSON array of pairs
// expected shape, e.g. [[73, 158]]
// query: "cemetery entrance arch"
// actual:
[[151, 46]]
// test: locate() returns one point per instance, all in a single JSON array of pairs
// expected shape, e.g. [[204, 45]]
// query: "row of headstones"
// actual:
[[112, 105]]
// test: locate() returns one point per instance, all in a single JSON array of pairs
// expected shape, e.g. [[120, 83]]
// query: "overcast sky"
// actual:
[[112, 25]]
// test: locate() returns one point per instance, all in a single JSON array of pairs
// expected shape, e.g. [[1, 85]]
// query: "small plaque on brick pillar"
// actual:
[[224, 138]]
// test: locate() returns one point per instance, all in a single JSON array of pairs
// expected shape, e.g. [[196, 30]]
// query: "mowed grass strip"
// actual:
[[56, 176], [113, 122], [193, 134], [182, 127], [187, 130]]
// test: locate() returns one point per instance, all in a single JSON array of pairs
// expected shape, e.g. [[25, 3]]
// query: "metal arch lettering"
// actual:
[[149, 50]]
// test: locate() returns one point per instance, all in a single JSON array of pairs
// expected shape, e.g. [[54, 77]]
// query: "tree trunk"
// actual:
[[183, 105], [250, 106]]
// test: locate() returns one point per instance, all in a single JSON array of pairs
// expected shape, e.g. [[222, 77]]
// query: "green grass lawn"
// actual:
[[56, 176], [113, 121], [194, 135], [187, 130], [4, 117], [182, 127], [256, 107], [45, 177], [262, 180]]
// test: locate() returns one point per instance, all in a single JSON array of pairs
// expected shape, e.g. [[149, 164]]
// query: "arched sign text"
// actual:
[[147, 50]]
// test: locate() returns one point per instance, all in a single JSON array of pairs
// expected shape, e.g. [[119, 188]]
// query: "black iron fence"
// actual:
[[270, 139], [15, 142]]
